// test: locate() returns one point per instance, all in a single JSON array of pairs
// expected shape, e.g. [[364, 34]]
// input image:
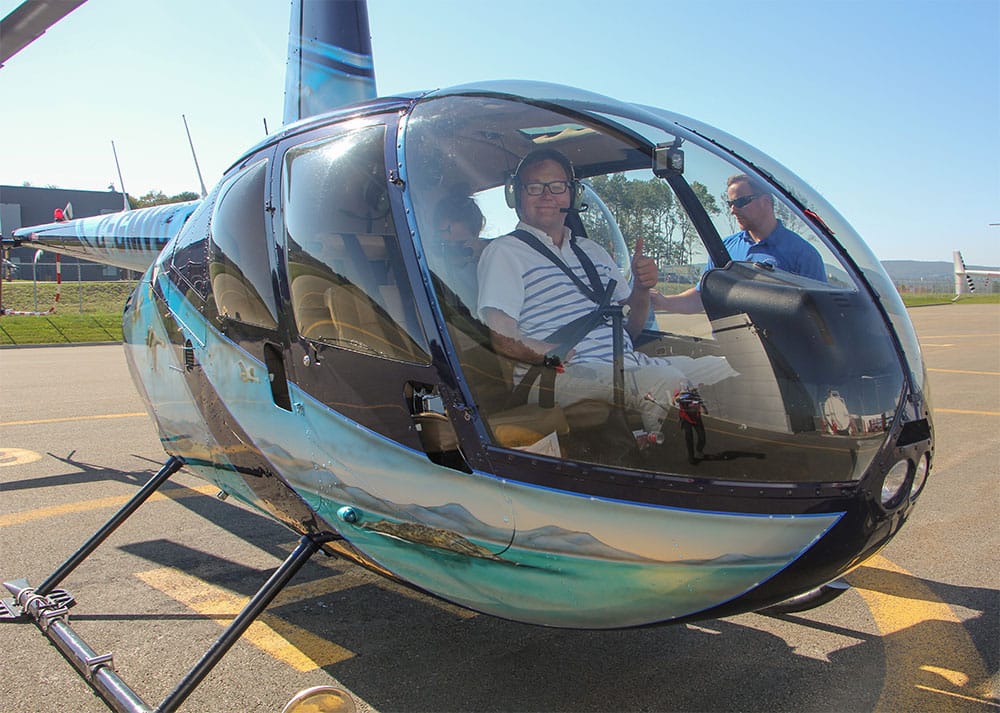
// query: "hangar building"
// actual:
[[27, 205]]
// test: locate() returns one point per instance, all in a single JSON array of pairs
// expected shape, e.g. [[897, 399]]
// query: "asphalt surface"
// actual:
[[920, 630]]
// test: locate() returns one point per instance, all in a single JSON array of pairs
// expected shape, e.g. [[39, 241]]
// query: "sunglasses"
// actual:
[[556, 188], [743, 201]]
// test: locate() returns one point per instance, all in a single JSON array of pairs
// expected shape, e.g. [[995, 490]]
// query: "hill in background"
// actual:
[[918, 270]]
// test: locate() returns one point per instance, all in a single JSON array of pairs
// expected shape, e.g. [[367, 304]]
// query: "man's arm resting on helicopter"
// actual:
[[686, 302]]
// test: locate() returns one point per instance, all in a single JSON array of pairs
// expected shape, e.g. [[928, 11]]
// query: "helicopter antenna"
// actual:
[[195, 157], [121, 181]]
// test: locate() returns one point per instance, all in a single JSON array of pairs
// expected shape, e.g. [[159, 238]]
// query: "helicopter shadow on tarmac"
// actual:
[[413, 653], [85, 473]]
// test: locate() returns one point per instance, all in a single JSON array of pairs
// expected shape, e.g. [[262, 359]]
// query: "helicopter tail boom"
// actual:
[[129, 240]]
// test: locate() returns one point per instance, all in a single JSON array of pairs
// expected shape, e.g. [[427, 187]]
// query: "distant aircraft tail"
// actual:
[[963, 282], [329, 57]]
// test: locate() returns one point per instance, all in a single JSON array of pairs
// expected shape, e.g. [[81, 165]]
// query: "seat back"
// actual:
[[309, 296], [349, 294]]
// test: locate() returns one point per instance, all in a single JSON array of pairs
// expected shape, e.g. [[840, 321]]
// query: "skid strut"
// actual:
[[49, 607]]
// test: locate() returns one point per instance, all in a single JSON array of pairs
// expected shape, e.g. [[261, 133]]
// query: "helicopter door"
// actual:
[[357, 338], [361, 361]]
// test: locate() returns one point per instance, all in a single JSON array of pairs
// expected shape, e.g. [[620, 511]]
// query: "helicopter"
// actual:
[[303, 341]]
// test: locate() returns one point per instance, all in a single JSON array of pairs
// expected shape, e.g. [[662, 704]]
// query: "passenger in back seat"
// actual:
[[457, 225], [525, 296]]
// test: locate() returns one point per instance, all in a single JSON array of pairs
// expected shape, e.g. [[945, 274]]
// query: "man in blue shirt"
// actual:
[[763, 239]]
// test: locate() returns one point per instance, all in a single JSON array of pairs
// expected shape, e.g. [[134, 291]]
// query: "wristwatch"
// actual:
[[551, 361]]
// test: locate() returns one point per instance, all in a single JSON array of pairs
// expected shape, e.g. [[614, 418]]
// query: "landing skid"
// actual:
[[49, 608], [810, 600]]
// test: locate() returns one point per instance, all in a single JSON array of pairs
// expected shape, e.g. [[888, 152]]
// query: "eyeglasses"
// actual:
[[556, 188], [743, 201]]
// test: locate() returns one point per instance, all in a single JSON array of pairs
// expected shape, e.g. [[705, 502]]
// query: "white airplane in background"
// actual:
[[964, 284]]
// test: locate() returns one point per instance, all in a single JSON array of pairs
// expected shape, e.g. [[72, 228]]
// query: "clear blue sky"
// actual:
[[890, 108]]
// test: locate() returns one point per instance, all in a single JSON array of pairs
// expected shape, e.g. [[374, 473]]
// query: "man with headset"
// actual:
[[539, 288]]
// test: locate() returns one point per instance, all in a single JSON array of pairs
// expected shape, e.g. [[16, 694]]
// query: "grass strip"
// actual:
[[99, 318]]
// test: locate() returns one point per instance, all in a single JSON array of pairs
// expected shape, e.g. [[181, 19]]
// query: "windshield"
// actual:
[[846, 236], [784, 371]]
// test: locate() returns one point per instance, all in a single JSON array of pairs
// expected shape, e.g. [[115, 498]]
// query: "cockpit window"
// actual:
[[771, 346], [240, 270], [345, 268]]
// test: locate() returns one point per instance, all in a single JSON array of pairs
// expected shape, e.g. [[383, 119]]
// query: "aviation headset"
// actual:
[[512, 187]]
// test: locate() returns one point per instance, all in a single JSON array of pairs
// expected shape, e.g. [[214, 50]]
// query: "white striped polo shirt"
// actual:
[[526, 285]]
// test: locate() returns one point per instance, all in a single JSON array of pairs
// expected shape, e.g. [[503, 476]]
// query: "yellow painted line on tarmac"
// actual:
[[930, 660], [966, 371], [959, 696], [968, 412], [17, 456], [974, 335], [66, 419], [321, 587], [19, 518], [268, 632], [294, 593]]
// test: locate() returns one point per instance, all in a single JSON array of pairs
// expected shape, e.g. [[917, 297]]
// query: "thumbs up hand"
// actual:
[[644, 268]]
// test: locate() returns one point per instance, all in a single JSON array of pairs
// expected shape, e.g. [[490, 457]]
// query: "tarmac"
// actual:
[[918, 631]]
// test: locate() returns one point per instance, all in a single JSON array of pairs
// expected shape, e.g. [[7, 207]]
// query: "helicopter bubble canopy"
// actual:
[[800, 376]]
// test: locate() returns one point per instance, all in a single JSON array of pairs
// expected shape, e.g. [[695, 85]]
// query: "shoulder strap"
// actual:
[[569, 334], [596, 290], [566, 337]]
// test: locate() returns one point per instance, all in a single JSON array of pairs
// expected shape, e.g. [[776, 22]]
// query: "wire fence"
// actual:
[[83, 288]]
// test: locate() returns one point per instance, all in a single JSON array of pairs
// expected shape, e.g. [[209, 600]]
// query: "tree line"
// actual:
[[159, 198], [650, 210]]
